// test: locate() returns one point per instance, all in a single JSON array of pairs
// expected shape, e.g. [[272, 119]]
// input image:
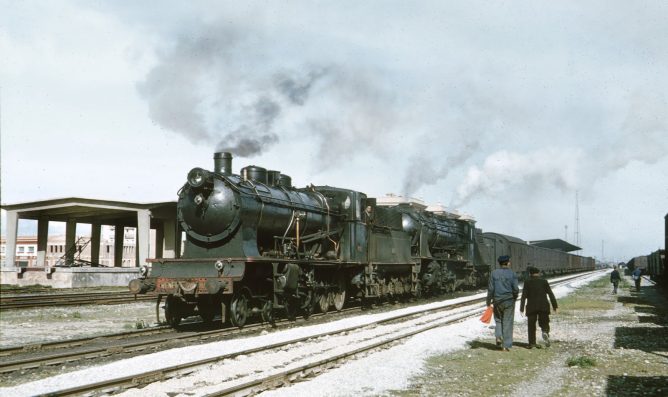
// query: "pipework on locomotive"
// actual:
[[256, 245]]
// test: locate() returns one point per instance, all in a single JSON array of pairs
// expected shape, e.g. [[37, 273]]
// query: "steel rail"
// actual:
[[48, 300]]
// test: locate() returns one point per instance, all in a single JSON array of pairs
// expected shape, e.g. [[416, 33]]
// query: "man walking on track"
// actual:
[[503, 291], [614, 279], [637, 275], [535, 293]]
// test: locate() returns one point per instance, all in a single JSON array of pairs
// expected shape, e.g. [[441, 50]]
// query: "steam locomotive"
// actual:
[[256, 245]]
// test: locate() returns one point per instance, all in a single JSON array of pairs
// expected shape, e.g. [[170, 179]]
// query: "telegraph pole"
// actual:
[[576, 234]]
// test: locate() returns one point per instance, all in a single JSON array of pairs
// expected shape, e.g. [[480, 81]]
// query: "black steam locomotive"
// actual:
[[257, 245]]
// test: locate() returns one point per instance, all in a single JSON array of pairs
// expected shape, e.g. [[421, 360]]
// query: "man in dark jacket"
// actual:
[[637, 276], [503, 291], [535, 293], [614, 279]]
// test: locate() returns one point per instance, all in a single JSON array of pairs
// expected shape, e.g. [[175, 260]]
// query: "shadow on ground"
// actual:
[[477, 344], [622, 386], [652, 338]]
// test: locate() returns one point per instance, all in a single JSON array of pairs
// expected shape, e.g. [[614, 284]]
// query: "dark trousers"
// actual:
[[504, 316], [615, 284], [543, 321], [638, 284]]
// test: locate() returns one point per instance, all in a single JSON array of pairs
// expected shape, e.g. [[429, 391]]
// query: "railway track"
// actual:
[[90, 298], [21, 358], [412, 320]]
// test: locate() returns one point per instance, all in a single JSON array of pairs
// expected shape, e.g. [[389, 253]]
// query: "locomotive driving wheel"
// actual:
[[339, 299], [206, 312], [172, 312], [239, 309], [418, 290], [323, 302], [268, 313], [307, 304]]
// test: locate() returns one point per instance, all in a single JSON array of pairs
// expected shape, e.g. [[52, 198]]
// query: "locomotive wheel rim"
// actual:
[[307, 305], [339, 300], [418, 290], [323, 302], [268, 313], [290, 307], [206, 313], [171, 312], [239, 311]]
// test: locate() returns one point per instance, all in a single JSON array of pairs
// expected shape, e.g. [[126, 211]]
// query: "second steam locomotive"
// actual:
[[257, 245]]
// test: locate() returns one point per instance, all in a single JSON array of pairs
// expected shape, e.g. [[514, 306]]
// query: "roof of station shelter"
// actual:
[[85, 210], [556, 244]]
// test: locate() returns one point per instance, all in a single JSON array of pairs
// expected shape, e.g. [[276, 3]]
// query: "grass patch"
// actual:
[[480, 371], [581, 361], [585, 303], [76, 315]]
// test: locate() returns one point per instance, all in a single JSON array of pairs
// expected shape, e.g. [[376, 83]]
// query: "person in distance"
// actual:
[[614, 279]]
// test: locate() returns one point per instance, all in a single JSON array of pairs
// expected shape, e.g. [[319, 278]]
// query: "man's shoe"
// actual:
[[499, 341], [505, 349], [546, 338]]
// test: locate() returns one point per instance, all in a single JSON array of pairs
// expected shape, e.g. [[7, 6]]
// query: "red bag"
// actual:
[[487, 315]]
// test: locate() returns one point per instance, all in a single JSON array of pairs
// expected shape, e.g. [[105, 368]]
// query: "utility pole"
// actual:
[[602, 250], [576, 234]]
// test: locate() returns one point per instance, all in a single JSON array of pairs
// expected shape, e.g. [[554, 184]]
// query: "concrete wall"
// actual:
[[75, 277]]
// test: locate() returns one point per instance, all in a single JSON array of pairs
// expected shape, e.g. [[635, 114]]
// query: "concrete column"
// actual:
[[70, 235], [119, 240], [171, 237], [42, 240], [12, 230], [160, 241], [95, 233], [142, 237]]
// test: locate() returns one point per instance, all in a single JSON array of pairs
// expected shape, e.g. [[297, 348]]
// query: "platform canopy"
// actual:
[[73, 210], [85, 210], [556, 244]]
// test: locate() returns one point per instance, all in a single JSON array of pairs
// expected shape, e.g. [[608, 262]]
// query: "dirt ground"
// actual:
[[602, 345], [46, 324]]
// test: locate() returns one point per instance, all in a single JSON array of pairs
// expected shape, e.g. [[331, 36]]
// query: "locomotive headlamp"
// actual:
[[219, 265], [197, 177], [199, 199], [143, 271]]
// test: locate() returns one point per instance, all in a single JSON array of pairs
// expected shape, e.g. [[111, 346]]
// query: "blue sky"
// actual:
[[501, 110]]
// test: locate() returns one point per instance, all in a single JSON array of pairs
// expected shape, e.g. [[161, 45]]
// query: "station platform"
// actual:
[[68, 277]]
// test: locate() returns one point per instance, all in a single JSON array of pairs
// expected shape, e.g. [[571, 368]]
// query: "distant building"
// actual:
[[26, 250]]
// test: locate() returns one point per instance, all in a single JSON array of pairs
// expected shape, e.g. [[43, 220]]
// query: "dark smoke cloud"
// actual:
[[216, 87], [424, 171], [297, 88], [222, 86]]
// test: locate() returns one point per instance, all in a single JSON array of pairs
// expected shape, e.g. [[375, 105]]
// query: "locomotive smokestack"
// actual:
[[222, 163]]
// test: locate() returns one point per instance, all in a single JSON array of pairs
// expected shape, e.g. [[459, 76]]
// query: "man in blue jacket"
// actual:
[[503, 290]]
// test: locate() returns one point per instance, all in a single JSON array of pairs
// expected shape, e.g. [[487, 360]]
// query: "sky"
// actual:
[[507, 111]]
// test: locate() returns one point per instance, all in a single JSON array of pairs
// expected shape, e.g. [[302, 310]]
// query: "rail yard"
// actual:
[[100, 348]]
